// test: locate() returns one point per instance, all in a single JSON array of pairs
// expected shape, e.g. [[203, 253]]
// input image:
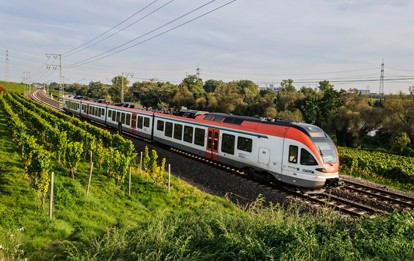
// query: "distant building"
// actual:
[[364, 92], [270, 86]]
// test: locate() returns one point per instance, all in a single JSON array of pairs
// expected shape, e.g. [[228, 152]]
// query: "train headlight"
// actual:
[[321, 170]]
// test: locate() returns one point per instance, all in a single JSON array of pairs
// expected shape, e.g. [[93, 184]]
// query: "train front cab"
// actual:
[[309, 162]]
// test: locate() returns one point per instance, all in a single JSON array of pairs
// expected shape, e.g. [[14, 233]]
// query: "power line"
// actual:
[[110, 29], [120, 30], [95, 58]]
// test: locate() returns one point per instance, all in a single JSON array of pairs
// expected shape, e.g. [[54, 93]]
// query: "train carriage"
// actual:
[[299, 154]]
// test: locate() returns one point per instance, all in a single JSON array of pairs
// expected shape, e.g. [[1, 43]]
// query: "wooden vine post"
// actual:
[[90, 172], [52, 180]]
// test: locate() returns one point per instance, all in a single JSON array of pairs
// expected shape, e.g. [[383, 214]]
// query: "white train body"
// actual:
[[294, 153]]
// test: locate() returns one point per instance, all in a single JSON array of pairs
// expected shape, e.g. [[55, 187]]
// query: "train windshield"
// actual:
[[326, 148]]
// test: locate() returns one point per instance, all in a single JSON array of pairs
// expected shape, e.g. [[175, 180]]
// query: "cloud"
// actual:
[[247, 39]]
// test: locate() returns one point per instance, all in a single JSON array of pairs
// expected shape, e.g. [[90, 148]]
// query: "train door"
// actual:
[[264, 156], [291, 165], [212, 143], [88, 108], [134, 121]]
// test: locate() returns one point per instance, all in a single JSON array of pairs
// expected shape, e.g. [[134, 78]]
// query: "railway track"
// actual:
[[42, 97], [388, 197], [323, 200]]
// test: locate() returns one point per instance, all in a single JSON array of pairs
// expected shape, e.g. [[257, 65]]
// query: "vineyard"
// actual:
[[44, 134], [380, 167], [151, 223]]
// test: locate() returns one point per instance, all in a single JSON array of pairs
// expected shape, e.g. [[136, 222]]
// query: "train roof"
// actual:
[[309, 129], [239, 121]]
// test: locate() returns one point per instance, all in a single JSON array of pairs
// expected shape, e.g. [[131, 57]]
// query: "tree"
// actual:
[[356, 118], [212, 85], [95, 90], [294, 115], [228, 97], [399, 142], [287, 86], [263, 104], [399, 114], [309, 105], [325, 86], [194, 85], [81, 90], [184, 97], [287, 96], [153, 94], [329, 105], [119, 83]]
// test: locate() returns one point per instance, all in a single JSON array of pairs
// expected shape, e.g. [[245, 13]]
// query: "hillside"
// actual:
[[185, 224]]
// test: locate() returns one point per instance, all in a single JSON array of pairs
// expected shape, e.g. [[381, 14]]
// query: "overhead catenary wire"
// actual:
[[102, 55], [120, 30], [75, 50]]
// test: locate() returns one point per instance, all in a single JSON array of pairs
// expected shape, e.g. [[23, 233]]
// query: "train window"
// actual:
[[188, 134], [128, 119], [218, 118], [160, 125], [199, 136], [168, 129], [103, 112], [293, 154], [244, 144], [118, 116], [306, 158], [209, 117], [227, 143], [123, 118], [113, 115], [140, 118], [178, 131], [146, 122], [109, 113]]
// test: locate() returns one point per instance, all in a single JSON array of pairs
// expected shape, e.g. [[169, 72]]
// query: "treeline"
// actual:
[[351, 119]]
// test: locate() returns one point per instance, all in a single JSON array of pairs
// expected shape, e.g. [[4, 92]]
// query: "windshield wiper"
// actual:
[[323, 158]]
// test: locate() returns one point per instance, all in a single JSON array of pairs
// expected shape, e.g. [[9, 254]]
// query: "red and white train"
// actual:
[[299, 154]]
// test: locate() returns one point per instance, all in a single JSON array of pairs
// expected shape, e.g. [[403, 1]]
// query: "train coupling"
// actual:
[[336, 182]]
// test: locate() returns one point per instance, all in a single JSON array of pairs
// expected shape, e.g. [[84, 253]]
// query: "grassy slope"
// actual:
[[183, 225], [77, 216], [12, 86]]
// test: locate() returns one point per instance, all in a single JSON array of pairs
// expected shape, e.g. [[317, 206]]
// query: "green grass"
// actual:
[[13, 86], [77, 216], [185, 224]]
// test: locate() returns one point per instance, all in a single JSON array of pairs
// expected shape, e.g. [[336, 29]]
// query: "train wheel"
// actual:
[[249, 172], [270, 178]]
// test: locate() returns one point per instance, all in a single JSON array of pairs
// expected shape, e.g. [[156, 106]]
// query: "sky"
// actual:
[[265, 41]]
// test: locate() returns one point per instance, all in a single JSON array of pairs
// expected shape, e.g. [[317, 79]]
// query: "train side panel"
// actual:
[[181, 134]]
